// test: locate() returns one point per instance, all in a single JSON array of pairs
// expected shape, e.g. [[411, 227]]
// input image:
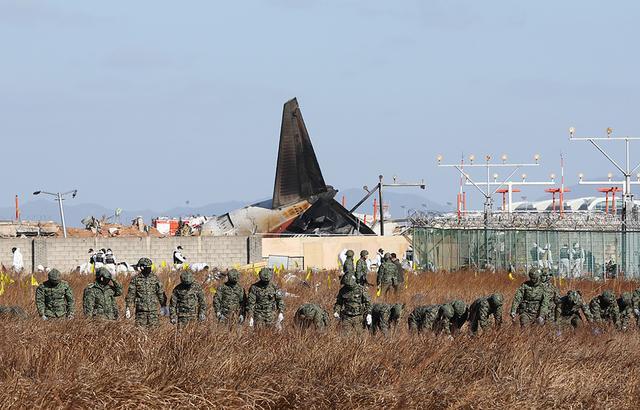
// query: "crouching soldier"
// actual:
[[604, 308], [568, 310], [311, 314], [423, 318], [531, 300], [482, 309], [384, 316], [451, 317]]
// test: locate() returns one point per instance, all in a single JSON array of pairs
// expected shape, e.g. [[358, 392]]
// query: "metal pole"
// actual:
[[64, 225], [381, 206]]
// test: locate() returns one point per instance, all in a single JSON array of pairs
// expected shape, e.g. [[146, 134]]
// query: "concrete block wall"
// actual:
[[67, 254]]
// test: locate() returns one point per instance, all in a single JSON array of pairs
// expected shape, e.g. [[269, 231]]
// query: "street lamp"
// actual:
[[60, 197]]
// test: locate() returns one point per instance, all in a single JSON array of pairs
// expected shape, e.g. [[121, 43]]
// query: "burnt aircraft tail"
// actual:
[[298, 174]]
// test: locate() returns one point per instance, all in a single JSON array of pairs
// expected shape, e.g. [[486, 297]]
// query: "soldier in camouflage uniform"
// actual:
[[553, 294], [264, 300], [531, 301], [384, 316], [387, 278], [99, 298], [568, 310], [451, 317], [230, 299], [311, 314], [14, 312], [362, 269], [423, 317], [54, 298], [187, 301], [146, 295], [636, 305], [604, 308], [399, 269], [482, 309], [625, 305], [352, 304], [348, 266]]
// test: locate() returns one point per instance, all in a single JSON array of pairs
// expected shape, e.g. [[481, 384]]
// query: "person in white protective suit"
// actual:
[[564, 267], [18, 262], [578, 257], [547, 258], [536, 256]]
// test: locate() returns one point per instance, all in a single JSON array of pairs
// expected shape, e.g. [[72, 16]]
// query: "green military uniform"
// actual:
[[230, 299], [423, 317], [362, 270], [352, 304], [311, 314], [263, 300], [99, 298], [636, 305], [348, 266], [604, 308], [146, 295], [384, 315], [387, 278], [568, 310], [15, 312], [482, 309], [54, 298], [451, 317], [531, 301], [553, 294], [187, 301], [627, 315], [399, 268]]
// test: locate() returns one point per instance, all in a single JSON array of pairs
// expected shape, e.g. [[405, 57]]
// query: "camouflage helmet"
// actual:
[[447, 311], [534, 274], [627, 299], [103, 273], [186, 277], [364, 253], [348, 280], [459, 307], [573, 296], [386, 256], [350, 253], [265, 274], [609, 297], [144, 263], [396, 311], [495, 299], [233, 276], [54, 275]]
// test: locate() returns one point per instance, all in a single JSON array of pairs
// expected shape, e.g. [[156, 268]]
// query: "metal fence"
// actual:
[[570, 253]]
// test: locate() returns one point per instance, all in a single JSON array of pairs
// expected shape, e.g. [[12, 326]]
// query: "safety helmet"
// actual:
[[265, 274], [459, 307], [144, 263], [54, 276], [447, 311], [103, 273], [495, 299], [233, 276], [608, 296], [348, 280], [350, 253], [186, 277]]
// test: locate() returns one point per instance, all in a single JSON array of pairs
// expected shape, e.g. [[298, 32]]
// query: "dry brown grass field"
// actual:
[[87, 364]]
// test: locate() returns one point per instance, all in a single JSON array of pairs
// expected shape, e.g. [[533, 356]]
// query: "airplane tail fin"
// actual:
[[298, 174]]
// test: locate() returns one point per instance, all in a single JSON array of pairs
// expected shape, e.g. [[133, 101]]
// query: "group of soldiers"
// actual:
[[536, 301]]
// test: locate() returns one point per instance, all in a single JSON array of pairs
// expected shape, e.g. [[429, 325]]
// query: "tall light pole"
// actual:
[[488, 194], [60, 197], [626, 171]]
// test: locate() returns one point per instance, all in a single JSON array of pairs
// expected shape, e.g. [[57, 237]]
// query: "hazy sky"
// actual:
[[147, 104]]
